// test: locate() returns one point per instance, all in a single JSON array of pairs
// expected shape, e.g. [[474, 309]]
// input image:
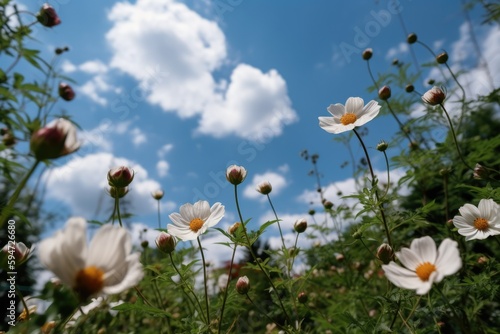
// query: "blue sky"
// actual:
[[180, 90]]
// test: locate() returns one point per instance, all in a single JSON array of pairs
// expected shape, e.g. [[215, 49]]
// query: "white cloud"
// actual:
[[94, 88], [277, 180], [164, 150], [93, 67], [81, 184], [398, 50], [182, 50], [68, 67], [138, 137], [162, 168]]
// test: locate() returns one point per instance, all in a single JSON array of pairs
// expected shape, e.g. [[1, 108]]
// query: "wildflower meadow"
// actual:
[[412, 251]]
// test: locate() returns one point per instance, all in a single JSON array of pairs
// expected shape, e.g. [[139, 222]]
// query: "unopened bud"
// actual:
[[157, 194], [412, 38], [300, 225], [442, 58], [264, 187], [243, 285], [384, 93], [328, 205], [434, 96], [236, 174], [233, 228], [66, 92], [382, 146], [481, 172], [312, 212], [115, 192], [48, 16], [409, 88], [385, 253], [144, 244], [165, 242], [302, 297], [367, 54], [120, 177]]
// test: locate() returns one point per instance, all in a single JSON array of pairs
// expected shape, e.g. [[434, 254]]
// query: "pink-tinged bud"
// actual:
[[264, 188], [115, 192], [482, 260], [66, 92], [412, 38], [434, 96], [481, 172], [120, 177], [385, 253], [233, 228], [300, 225], [48, 16], [302, 297], [367, 54], [442, 58], [55, 140], [384, 93], [236, 174], [157, 194], [18, 251], [165, 242], [243, 285]]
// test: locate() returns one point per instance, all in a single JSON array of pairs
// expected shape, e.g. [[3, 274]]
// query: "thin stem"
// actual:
[[227, 288], [381, 209], [117, 206], [433, 316], [205, 280], [7, 210], [144, 299], [264, 313], [277, 220], [446, 200], [401, 126], [254, 256], [455, 137], [159, 216], [388, 174], [293, 257], [188, 287], [405, 31], [371, 74]]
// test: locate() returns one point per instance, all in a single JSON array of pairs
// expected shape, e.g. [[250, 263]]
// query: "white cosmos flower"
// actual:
[[352, 115], [194, 219], [105, 266], [424, 264], [478, 222]]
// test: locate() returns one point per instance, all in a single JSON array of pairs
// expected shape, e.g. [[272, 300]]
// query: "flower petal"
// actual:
[[129, 276], [354, 105], [425, 248], [401, 277], [109, 247], [448, 261], [337, 110]]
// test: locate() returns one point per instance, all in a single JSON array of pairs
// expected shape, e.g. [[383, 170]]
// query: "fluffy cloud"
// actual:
[[400, 49], [81, 185], [277, 180], [173, 52], [162, 168]]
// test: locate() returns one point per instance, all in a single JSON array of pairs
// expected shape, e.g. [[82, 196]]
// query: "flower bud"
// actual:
[[409, 88], [412, 38], [233, 228], [115, 192], [382, 146], [165, 242], [8, 138], [120, 177], [19, 251], [480, 172], [157, 194], [384, 93], [243, 285], [264, 187], [328, 205], [144, 244], [385, 253], [312, 212], [48, 16], [431, 81], [434, 96], [442, 58], [300, 225], [395, 62], [236, 174], [340, 257], [302, 297], [55, 140], [367, 54], [66, 92]]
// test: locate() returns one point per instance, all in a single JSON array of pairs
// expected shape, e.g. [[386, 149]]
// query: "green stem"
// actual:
[[254, 256], [381, 209], [227, 288], [265, 314], [205, 280], [7, 210], [159, 216], [117, 206], [388, 174], [455, 137], [277, 220]]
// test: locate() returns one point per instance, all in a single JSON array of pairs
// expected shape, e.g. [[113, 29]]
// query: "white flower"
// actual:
[[104, 267], [478, 222], [352, 115], [424, 264], [194, 219]]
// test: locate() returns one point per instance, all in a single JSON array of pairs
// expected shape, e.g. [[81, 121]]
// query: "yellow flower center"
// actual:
[[196, 224], [481, 224], [348, 118], [89, 281], [425, 270]]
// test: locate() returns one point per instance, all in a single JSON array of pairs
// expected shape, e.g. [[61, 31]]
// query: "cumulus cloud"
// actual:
[[164, 150], [277, 180], [162, 168], [400, 49], [173, 52], [81, 184]]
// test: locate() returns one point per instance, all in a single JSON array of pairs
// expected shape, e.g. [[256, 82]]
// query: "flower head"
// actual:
[[243, 285], [264, 187], [236, 174], [105, 266], [194, 219], [55, 140], [384, 93], [157, 194], [18, 251], [354, 114], [478, 222], [434, 96], [120, 177], [48, 16], [66, 92], [442, 58], [300, 225], [424, 264], [165, 242]]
